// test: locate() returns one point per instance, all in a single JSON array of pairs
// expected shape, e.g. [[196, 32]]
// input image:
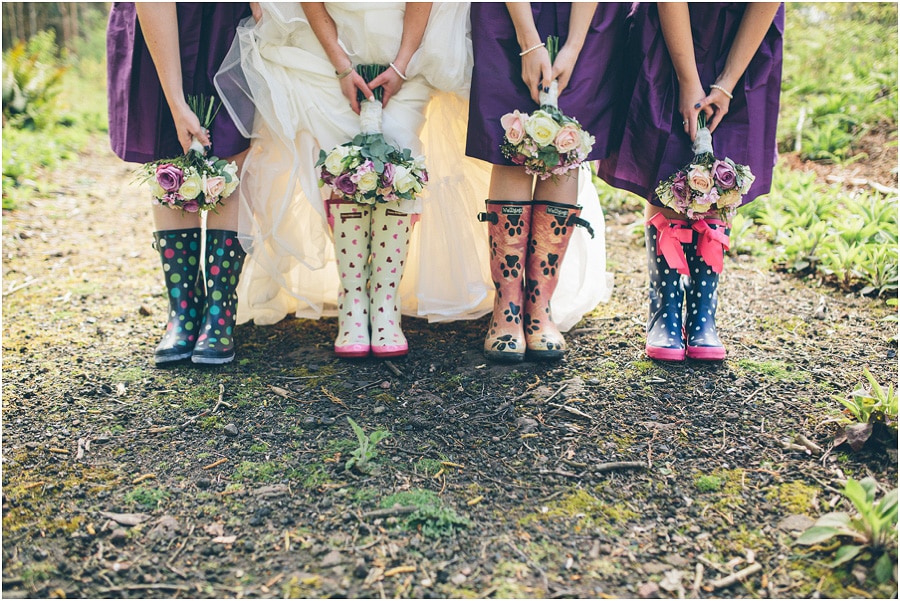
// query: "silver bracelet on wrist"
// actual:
[[524, 52], [723, 90], [397, 71]]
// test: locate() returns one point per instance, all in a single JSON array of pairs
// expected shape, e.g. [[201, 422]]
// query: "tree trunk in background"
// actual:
[[70, 20]]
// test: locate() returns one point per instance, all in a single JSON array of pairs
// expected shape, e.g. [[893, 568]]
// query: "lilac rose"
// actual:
[[191, 206], [169, 177], [680, 187], [327, 178], [724, 174], [345, 184], [387, 177]]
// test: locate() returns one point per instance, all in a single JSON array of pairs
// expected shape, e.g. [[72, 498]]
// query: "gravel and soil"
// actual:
[[604, 475]]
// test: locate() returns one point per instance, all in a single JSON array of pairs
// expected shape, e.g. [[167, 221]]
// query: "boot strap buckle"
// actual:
[[574, 220], [489, 217]]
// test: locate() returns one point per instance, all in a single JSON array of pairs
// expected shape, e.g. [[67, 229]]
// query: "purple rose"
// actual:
[[327, 178], [680, 187], [169, 177], [345, 184], [724, 174], [191, 206], [387, 177]]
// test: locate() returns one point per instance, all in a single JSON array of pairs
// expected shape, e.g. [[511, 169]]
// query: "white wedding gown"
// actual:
[[281, 89]]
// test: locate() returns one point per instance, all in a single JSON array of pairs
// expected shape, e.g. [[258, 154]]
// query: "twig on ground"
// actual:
[[698, 580], [221, 398], [804, 441], [215, 463], [22, 285], [183, 544], [573, 410], [617, 465], [393, 369], [711, 564], [558, 390], [389, 512], [736, 577], [142, 587]]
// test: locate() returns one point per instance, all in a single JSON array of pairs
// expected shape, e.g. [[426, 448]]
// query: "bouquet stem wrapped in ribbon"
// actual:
[[546, 142], [706, 184], [192, 182], [368, 170]]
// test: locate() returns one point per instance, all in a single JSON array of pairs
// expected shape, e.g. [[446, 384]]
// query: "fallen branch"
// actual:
[[617, 465], [573, 410], [142, 587], [23, 285], [804, 441], [393, 369], [558, 390], [389, 512], [221, 398], [736, 577], [215, 463]]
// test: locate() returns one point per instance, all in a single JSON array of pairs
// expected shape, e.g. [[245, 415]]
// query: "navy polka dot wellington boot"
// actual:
[[224, 262], [509, 223], [705, 261], [179, 251], [666, 263], [552, 226]]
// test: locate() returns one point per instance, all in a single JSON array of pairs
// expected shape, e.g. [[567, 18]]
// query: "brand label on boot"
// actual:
[[557, 212], [511, 210], [346, 216], [394, 213]]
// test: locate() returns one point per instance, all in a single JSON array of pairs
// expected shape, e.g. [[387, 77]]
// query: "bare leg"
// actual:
[[563, 190], [510, 183]]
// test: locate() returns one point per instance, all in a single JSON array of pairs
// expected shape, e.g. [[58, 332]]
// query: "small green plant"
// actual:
[[431, 517], [146, 498], [706, 483], [869, 406], [31, 82], [366, 451], [872, 532]]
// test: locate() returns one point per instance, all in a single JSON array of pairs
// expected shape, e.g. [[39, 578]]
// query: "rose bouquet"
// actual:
[[192, 182], [547, 142], [367, 169], [706, 183]]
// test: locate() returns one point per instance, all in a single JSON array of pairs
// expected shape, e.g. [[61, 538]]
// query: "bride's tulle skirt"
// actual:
[[281, 89]]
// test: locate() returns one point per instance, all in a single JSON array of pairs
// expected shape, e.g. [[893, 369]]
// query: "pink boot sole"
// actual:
[[706, 353], [665, 354], [390, 351], [352, 351]]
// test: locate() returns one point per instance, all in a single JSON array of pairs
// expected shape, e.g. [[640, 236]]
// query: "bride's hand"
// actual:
[[256, 11], [350, 84], [390, 81]]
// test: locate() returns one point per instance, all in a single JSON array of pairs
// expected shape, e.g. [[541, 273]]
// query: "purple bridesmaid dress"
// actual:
[[654, 144], [141, 128], [497, 86]]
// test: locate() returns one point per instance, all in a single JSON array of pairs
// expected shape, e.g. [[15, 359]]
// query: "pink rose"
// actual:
[[568, 139], [700, 179], [169, 177], [215, 186], [387, 177], [514, 126]]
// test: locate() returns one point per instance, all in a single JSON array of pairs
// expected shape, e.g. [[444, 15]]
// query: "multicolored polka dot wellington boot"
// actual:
[[391, 230], [705, 260], [666, 264], [224, 262], [552, 226], [179, 251], [509, 222]]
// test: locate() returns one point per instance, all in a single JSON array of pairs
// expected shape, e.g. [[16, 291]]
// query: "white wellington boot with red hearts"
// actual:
[[391, 231], [351, 225]]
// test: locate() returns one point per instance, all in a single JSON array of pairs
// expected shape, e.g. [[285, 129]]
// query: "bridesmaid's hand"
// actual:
[[719, 103], [537, 73], [691, 105], [564, 65], [350, 84], [390, 81], [188, 127]]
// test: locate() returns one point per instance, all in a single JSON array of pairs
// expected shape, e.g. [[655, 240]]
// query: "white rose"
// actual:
[[156, 190], [191, 187], [334, 161], [368, 181], [542, 128], [403, 180]]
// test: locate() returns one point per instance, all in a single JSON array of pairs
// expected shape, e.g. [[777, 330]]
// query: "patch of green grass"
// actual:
[[146, 498], [587, 511], [773, 369], [250, 471], [426, 466], [259, 447], [794, 497], [431, 518]]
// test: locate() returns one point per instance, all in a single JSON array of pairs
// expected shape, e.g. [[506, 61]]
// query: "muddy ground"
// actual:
[[604, 475]]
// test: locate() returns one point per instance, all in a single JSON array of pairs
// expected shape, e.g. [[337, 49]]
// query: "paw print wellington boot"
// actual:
[[224, 263], [351, 225], [391, 231], [666, 264], [552, 225], [705, 257], [508, 225], [179, 251]]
